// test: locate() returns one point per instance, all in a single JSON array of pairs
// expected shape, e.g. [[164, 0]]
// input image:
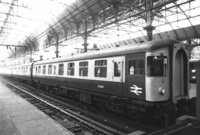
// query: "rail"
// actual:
[[178, 129], [95, 126]]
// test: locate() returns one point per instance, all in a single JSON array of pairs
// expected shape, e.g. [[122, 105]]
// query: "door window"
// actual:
[[136, 67], [156, 65], [117, 68]]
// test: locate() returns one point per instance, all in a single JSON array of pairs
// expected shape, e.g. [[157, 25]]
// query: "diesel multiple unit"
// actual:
[[146, 78]]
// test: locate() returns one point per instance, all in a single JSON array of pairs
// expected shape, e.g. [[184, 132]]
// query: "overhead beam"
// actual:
[[7, 16], [12, 45]]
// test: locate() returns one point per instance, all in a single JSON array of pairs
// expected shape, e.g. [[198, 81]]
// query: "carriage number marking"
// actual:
[[100, 86]]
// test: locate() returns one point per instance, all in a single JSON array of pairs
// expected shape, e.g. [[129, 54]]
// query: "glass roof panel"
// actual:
[[34, 17], [22, 18]]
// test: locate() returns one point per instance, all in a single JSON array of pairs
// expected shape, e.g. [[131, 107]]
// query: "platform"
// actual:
[[19, 117]]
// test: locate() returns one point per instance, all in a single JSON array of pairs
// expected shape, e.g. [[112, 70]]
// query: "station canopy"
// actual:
[[34, 24]]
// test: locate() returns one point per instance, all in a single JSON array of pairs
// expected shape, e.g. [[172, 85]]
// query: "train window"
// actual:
[[26, 70], [156, 65], [36, 70], [50, 69], [117, 68], [70, 69], [136, 67], [100, 69], [44, 69], [61, 69], [39, 69], [83, 68], [54, 70]]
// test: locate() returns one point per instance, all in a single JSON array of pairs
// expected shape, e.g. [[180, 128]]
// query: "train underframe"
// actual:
[[135, 109]]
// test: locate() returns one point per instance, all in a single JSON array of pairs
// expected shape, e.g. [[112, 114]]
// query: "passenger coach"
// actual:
[[129, 79]]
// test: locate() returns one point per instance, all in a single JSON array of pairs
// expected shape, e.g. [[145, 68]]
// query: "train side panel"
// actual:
[[111, 83]]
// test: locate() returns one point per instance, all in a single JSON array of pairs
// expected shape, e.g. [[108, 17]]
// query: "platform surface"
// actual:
[[19, 117]]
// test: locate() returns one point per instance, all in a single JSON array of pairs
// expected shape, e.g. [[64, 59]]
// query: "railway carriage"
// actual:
[[133, 79]]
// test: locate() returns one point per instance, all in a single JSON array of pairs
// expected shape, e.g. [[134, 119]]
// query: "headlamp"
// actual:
[[161, 90]]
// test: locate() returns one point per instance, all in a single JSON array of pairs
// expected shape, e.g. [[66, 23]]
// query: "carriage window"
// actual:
[[44, 69], [61, 69], [35, 70], [117, 68], [70, 69], [26, 70], [136, 67], [39, 69], [83, 68], [156, 65], [50, 69], [100, 68]]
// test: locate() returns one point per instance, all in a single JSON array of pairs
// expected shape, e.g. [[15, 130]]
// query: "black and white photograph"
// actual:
[[99, 67]]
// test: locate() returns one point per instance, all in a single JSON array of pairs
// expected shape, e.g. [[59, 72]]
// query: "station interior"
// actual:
[[33, 31]]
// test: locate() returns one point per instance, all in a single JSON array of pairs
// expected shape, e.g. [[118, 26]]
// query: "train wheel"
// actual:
[[170, 109]]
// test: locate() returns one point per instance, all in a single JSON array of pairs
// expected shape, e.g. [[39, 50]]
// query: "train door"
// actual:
[[118, 66], [118, 75], [179, 73], [55, 69], [135, 76]]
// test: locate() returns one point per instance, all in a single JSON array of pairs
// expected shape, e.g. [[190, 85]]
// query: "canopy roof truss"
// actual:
[[110, 20]]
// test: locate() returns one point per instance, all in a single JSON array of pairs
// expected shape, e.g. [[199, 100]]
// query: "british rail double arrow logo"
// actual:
[[136, 90]]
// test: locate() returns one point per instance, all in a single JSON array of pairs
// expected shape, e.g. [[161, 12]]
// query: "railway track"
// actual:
[[77, 120]]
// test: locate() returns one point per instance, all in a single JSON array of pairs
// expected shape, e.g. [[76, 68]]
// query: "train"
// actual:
[[148, 79], [194, 64]]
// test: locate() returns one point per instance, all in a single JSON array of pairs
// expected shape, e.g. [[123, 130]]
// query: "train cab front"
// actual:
[[167, 79], [158, 82]]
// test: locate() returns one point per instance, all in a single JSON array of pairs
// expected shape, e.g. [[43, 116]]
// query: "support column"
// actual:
[[149, 19], [85, 44], [190, 48], [41, 57], [57, 46], [31, 53], [149, 30], [198, 93]]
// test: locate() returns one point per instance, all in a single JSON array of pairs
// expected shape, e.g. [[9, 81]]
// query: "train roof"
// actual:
[[117, 51]]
